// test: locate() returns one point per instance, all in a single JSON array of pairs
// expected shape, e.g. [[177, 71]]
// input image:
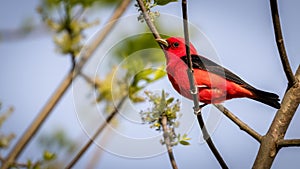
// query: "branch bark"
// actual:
[[280, 43], [270, 142], [55, 98], [288, 143], [210, 143], [243, 126], [167, 141], [148, 20]]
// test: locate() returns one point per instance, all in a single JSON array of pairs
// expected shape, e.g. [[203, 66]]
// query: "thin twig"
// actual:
[[194, 91], [98, 153], [243, 126], [167, 141], [44, 113], [96, 134], [149, 22], [210, 143], [288, 143], [280, 43], [190, 71], [88, 79]]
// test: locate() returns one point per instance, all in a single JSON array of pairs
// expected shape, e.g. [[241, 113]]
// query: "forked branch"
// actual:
[[271, 142]]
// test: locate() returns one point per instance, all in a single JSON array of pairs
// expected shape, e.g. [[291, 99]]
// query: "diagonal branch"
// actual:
[[55, 98], [96, 134], [280, 43], [210, 143], [93, 82], [243, 126], [148, 20], [194, 91]]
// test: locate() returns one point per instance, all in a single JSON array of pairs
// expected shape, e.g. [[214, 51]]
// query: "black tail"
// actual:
[[270, 99]]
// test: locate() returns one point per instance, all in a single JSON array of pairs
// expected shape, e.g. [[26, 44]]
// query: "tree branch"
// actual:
[[96, 134], [55, 98], [268, 148], [148, 20], [15, 164], [190, 71], [210, 143], [194, 91], [288, 143], [167, 141], [89, 80], [243, 126], [280, 44]]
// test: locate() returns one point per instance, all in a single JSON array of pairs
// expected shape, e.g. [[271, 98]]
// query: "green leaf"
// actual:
[[185, 143], [29, 163], [170, 100], [184, 137], [48, 156], [37, 166], [164, 2], [159, 73]]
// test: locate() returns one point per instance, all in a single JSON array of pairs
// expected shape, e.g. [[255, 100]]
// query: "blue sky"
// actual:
[[239, 35]]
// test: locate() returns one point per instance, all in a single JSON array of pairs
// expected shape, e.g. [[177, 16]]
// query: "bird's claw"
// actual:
[[162, 42], [198, 110]]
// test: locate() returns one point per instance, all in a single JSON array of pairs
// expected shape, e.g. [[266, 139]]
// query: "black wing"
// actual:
[[200, 62]]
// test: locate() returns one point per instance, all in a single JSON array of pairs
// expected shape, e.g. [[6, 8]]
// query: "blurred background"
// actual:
[[238, 35]]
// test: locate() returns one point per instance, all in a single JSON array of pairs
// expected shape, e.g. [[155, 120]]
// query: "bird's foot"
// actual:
[[197, 111]]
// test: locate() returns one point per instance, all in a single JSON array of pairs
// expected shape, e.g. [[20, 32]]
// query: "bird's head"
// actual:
[[175, 47]]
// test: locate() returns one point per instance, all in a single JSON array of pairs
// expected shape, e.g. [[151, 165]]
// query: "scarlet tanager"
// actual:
[[215, 84]]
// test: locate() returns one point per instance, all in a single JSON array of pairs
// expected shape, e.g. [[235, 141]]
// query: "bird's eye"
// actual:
[[176, 44]]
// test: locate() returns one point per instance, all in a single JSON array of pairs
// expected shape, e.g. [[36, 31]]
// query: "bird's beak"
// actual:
[[163, 42]]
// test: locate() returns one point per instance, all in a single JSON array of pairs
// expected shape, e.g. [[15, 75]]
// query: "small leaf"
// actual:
[[48, 156], [29, 163], [163, 2], [185, 143], [184, 137], [170, 100], [37, 166]]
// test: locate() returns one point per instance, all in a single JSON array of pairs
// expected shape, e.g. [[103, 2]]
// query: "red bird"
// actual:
[[215, 84]]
